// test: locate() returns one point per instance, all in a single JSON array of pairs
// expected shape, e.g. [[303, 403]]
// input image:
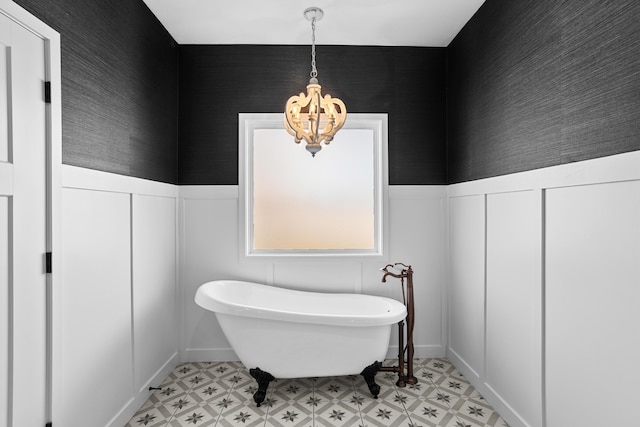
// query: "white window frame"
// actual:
[[378, 123]]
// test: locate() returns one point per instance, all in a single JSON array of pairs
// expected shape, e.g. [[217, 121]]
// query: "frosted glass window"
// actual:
[[296, 204], [304, 202]]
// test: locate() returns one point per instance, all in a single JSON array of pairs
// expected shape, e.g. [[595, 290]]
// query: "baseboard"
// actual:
[[227, 354], [460, 364], [141, 396], [420, 352], [505, 411], [208, 355]]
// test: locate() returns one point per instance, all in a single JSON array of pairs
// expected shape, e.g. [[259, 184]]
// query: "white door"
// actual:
[[23, 227]]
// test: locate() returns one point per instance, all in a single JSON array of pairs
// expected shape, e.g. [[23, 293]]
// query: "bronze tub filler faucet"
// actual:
[[405, 273]]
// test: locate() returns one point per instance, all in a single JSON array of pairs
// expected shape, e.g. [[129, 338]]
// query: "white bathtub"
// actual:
[[294, 334]]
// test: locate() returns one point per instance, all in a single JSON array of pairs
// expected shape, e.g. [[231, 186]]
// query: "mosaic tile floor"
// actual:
[[220, 394]]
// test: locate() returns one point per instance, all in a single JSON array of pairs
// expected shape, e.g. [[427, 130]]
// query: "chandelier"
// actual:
[[313, 117]]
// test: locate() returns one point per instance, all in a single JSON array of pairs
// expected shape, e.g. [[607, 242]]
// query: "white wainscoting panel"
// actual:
[[593, 304], [208, 252], [467, 283], [5, 343], [95, 344], [514, 302], [209, 239], [115, 325], [561, 304], [318, 276], [155, 319], [418, 237]]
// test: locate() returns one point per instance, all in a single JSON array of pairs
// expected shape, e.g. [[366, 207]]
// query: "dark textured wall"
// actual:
[[119, 86], [218, 82], [535, 83]]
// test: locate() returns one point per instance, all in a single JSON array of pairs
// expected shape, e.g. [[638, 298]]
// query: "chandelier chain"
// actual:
[[314, 71]]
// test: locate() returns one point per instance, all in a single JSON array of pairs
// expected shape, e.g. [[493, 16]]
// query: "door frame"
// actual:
[[53, 164]]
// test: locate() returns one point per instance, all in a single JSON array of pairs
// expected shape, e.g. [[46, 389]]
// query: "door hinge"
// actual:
[[48, 263], [47, 92]]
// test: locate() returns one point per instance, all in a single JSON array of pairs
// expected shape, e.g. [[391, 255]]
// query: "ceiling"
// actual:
[[346, 22]]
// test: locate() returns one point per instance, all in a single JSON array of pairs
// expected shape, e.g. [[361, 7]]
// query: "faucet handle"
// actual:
[[396, 272], [385, 268], [398, 266]]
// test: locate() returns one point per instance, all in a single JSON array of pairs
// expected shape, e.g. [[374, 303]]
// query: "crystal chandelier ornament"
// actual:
[[313, 117]]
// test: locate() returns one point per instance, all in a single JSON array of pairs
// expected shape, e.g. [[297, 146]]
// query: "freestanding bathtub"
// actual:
[[283, 333]]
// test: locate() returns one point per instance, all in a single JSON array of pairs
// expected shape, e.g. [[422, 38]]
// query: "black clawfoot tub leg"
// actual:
[[263, 378], [369, 374]]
